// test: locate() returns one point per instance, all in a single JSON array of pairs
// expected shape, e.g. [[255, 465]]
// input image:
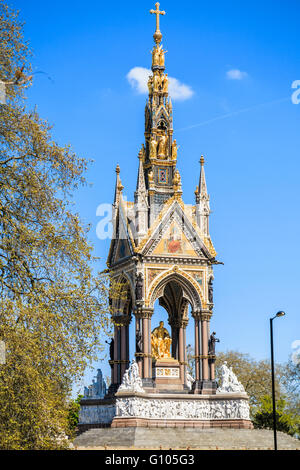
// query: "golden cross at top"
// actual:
[[157, 35]]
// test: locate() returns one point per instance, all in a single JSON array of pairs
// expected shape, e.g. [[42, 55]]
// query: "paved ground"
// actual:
[[172, 438]]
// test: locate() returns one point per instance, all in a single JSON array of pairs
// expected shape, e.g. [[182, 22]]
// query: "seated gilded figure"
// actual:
[[160, 342]]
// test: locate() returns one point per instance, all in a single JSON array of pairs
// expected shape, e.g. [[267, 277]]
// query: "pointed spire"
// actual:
[[201, 190], [202, 201], [141, 200], [140, 184], [119, 187]]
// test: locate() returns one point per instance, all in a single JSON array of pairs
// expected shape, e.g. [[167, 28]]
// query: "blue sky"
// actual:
[[239, 60]]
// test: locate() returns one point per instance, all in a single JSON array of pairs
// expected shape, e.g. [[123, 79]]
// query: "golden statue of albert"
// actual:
[[160, 342]]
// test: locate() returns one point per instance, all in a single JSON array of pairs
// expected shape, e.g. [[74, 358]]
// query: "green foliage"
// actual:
[[73, 414], [53, 308], [285, 421]]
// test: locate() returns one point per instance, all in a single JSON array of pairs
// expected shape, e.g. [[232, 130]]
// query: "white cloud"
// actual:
[[179, 91], [236, 74], [138, 78]]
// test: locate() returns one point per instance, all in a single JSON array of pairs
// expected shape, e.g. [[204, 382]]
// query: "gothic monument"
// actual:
[[162, 250]]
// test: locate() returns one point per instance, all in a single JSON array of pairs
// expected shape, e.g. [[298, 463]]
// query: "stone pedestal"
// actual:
[[166, 374], [205, 387], [167, 409]]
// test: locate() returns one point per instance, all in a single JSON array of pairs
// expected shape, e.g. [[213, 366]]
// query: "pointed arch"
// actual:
[[190, 290]]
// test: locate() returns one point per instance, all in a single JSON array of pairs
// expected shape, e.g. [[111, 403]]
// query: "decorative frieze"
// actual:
[[94, 414], [167, 372], [182, 409]]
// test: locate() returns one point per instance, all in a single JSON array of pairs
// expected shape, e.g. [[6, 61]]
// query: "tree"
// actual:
[[285, 421], [53, 307], [290, 382], [73, 414]]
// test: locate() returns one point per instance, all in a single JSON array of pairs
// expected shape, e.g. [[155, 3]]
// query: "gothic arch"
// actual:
[[191, 291]]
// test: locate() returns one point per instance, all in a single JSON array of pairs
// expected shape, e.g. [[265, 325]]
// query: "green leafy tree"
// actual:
[[285, 421], [73, 414], [290, 382], [53, 308]]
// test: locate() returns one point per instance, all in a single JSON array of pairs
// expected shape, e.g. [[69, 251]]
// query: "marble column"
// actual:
[[143, 315], [174, 330], [207, 384], [198, 372], [116, 355], [182, 349], [138, 331], [124, 346], [204, 352]]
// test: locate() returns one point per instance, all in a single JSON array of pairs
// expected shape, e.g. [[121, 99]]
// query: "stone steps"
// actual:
[[193, 438]]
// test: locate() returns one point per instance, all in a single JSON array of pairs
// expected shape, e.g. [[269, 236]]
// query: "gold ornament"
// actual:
[[153, 147], [174, 150], [160, 342], [162, 147], [157, 35], [150, 85], [150, 177], [156, 51], [156, 82], [165, 84], [177, 180]]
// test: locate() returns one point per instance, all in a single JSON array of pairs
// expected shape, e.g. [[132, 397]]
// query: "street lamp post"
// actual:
[[278, 314]]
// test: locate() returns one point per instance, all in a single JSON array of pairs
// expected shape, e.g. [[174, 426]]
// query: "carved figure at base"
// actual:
[[160, 342], [229, 381], [131, 380]]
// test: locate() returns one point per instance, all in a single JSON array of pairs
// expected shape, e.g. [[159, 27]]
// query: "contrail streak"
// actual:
[[234, 113]]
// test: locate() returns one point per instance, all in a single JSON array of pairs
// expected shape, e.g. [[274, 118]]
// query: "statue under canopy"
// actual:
[[160, 342]]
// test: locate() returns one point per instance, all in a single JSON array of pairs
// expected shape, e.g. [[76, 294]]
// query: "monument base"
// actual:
[[205, 387], [142, 438], [166, 374], [135, 409]]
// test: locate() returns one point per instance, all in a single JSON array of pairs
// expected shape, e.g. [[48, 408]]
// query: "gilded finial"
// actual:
[[120, 187], [141, 154], [157, 35], [117, 169], [202, 160]]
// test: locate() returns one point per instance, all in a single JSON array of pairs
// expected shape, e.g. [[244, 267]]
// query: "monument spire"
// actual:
[[202, 201], [202, 188], [157, 35], [162, 180], [141, 200], [118, 187]]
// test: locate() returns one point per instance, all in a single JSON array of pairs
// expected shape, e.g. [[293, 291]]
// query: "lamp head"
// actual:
[[280, 314]]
